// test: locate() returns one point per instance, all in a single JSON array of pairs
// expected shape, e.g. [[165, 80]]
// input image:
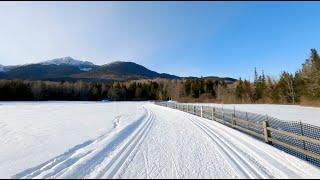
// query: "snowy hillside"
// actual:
[[6, 68], [131, 140], [68, 61]]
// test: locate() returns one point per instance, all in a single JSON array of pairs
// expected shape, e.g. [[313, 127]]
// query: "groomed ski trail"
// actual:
[[167, 143], [214, 150]]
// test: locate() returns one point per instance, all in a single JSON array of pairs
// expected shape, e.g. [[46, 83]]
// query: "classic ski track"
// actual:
[[59, 166], [270, 158], [51, 164], [115, 165], [243, 166], [53, 167], [122, 147]]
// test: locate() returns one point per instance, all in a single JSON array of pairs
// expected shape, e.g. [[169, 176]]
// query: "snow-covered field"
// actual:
[[31, 133], [310, 115], [131, 140]]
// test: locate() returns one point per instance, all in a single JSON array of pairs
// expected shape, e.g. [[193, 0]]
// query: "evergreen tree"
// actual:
[[239, 90], [287, 88], [308, 78]]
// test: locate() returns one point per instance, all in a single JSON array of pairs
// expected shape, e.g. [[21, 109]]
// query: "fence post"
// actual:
[[304, 143], [222, 116], [213, 114], [234, 118], [266, 132], [247, 118]]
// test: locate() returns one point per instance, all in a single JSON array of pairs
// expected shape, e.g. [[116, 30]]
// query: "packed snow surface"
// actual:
[[310, 115], [131, 140]]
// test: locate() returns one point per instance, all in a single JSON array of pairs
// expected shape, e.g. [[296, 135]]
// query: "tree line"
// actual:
[[301, 87], [17, 90]]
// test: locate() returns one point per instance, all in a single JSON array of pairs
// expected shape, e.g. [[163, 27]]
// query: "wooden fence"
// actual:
[[296, 138]]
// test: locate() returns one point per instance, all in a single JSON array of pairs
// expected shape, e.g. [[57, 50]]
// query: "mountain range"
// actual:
[[70, 69]]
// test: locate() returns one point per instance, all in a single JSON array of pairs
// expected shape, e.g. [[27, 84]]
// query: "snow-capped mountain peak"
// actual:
[[1, 68], [68, 61], [5, 68]]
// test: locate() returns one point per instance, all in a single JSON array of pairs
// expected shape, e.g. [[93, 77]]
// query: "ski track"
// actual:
[[172, 150], [242, 165], [260, 155], [130, 148], [155, 146], [260, 163], [87, 160]]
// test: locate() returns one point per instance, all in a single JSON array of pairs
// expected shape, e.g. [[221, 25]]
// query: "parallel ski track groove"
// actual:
[[114, 166], [110, 170], [242, 165]]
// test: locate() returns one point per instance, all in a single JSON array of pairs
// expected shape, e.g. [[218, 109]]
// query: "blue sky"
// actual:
[[182, 38]]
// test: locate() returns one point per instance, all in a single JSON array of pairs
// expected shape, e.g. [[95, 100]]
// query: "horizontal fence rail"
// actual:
[[296, 138]]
